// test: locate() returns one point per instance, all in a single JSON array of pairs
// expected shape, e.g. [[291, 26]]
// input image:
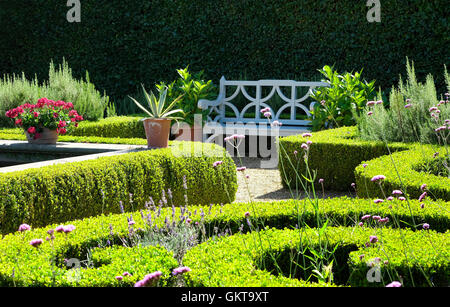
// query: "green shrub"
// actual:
[[24, 265], [15, 91], [258, 258], [193, 87], [409, 118], [334, 154], [112, 127], [404, 171], [33, 267], [67, 191], [18, 134], [346, 94]]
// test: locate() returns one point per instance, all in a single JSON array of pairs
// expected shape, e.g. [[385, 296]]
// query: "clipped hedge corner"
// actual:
[[76, 190], [334, 153], [405, 171]]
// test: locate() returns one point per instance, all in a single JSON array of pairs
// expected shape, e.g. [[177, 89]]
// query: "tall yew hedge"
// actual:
[[125, 42]]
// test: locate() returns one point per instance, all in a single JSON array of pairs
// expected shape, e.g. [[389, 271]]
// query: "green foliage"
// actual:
[[346, 94], [157, 106], [413, 123], [33, 267], [66, 191], [112, 127], [334, 154], [136, 41], [17, 134], [406, 171], [192, 88], [254, 259], [17, 90], [338, 156], [90, 243]]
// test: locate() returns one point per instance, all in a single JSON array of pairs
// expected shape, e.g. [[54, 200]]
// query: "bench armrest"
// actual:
[[204, 103]]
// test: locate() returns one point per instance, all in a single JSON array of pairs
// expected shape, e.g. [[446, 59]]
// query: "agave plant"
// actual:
[[158, 108]]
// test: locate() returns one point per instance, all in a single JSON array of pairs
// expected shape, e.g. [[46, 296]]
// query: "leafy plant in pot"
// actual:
[[192, 87], [44, 121], [161, 114]]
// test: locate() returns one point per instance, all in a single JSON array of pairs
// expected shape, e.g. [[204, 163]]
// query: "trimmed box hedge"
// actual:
[[18, 134], [404, 171], [112, 127], [237, 260], [24, 265], [63, 192], [334, 153], [96, 231]]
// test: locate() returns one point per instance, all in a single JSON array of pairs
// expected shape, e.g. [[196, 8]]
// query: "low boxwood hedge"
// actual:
[[63, 192], [217, 219], [50, 264], [111, 127], [341, 211], [18, 134], [263, 258], [405, 171], [334, 154]]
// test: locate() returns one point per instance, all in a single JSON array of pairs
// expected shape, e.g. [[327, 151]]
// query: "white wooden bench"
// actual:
[[218, 123]]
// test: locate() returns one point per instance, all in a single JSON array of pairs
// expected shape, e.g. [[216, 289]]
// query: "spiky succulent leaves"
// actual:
[[168, 111], [141, 107], [156, 105]]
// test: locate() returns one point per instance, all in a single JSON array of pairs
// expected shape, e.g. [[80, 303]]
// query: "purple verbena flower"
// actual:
[[422, 196], [24, 227], [36, 242], [365, 217], [378, 178], [217, 163], [394, 284], [180, 270], [373, 239]]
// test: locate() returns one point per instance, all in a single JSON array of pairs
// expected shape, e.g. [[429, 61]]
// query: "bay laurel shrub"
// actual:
[[225, 262], [76, 190], [17, 90], [334, 154], [406, 171], [264, 258], [347, 93]]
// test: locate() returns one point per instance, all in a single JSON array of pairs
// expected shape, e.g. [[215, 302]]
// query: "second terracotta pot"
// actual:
[[157, 131]]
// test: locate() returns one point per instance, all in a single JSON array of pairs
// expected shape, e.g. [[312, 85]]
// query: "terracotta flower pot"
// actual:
[[47, 137], [157, 131]]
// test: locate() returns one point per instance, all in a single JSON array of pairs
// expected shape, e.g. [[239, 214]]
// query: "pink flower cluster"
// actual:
[[180, 270], [149, 280], [65, 229], [45, 113]]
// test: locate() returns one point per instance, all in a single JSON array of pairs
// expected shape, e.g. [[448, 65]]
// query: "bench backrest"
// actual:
[[258, 102]]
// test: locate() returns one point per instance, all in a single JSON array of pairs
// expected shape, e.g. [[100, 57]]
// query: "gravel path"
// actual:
[[265, 184]]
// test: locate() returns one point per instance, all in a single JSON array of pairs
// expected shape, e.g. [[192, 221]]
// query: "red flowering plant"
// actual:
[[53, 115]]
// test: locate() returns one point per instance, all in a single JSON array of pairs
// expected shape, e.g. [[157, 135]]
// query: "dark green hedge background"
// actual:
[[125, 42]]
